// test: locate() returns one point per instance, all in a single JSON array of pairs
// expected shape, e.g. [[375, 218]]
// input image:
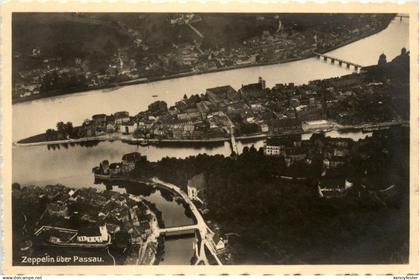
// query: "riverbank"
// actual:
[[129, 139], [202, 228], [132, 140], [143, 80], [148, 251]]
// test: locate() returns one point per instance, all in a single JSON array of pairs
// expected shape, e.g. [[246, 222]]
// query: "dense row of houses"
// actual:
[[333, 156], [334, 153], [252, 109], [127, 164], [101, 216]]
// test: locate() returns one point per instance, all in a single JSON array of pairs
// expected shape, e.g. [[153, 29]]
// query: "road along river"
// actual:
[[72, 166]]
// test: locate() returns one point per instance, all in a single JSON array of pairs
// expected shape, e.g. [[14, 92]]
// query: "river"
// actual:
[[72, 166]]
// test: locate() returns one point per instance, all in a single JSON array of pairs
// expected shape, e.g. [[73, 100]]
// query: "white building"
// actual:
[[273, 150], [195, 186], [218, 242], [316, 125], [329, 188], [129, 127], [93, 235], [264, 127], [192, 193]]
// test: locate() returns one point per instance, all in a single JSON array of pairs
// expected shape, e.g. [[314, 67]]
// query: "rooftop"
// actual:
[[222, 90]]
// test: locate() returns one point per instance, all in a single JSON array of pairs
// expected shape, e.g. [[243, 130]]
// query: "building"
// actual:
[[218, 95], [279, 127], [309, 113], [104, 167], [114, 168], [93, 234], [110, 119], [204, 108], [218, 242], [341, 152], [253, 91], [273, 150], [55, 235], [181, 105], [121, 117], [195, 187], [112, 228], [158, 107], [128, 127], [129, 161], [295, 154], [333, 162], [239, 109], [110, 128], [330, 187], [57, 209], [317, 125], [382, 60], [99, 119], [189, 115], [339, 142], [264, 127], [277, 146]]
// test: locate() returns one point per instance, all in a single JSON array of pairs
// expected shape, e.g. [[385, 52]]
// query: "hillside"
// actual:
[[57, 53]]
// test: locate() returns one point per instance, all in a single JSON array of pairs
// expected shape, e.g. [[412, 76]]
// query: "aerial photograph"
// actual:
[[210, 138]]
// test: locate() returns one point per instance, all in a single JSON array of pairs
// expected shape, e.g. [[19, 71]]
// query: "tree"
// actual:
[[110, 47], [15, 186], [228, 29], [61, 127], [50, 135], [69, 128], [253, 149]]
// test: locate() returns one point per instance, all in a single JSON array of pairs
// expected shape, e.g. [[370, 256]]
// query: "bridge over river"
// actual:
[[205, 234], [341, 62], [180, 229]]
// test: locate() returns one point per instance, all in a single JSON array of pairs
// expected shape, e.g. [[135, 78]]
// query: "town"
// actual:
[[88, 219], [128, 227], [303, 163], [339, 174], [334, 170], [256, 111], [326, 158], [132, 52]]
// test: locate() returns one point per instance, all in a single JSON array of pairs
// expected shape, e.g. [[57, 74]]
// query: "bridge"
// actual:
[[402, 16], [233, 140], [205, 234], [341, 62], [199, 34], [180, 229]]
